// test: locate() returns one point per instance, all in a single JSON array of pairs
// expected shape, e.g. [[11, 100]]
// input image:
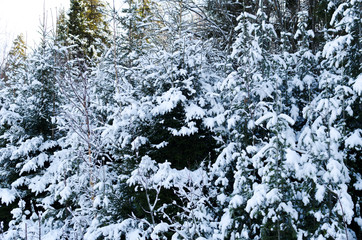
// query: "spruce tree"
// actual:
[[15, 59], [12, 84], [324, 139], [29, 139], [166, 105], [87, 28]]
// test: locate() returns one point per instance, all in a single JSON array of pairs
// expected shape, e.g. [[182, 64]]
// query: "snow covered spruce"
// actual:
[[183, 119]]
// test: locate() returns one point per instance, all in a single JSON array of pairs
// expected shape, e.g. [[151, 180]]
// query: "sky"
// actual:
[[25, 16]]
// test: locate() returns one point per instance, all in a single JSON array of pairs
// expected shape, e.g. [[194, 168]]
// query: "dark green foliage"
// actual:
[[181, 151], [87, 28]]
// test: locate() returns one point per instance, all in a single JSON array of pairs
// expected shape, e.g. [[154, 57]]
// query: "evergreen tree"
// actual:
[[15, 59], [325, 137], [61, 30], [12, 84], [163, 98], [29, 140], [87, 28]]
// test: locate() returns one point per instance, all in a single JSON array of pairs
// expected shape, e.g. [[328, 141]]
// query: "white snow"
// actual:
[[7, 196], [319, 195], [357, 86]]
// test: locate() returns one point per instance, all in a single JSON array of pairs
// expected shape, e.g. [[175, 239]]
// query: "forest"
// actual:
[[185, 119]]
